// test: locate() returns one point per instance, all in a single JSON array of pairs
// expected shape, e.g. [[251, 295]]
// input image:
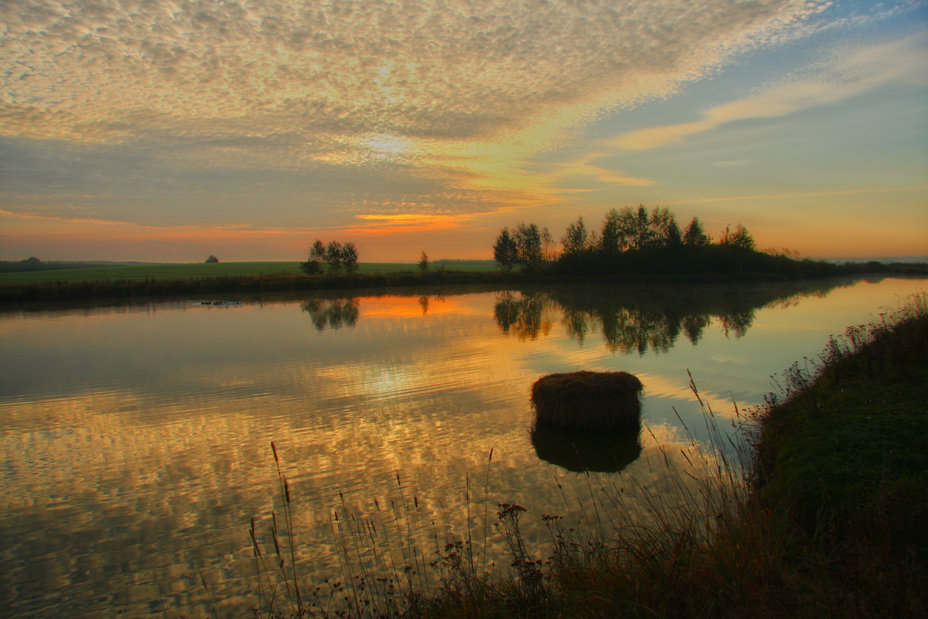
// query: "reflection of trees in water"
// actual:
[[425, 300], [525, 316], [332, 313], [694, 325], [633, 329], [647, 318]]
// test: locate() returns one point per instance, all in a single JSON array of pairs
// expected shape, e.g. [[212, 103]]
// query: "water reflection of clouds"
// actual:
[[142, 478]]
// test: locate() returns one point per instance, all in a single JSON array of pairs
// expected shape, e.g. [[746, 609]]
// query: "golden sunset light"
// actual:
[[446, 308], [254, 127]]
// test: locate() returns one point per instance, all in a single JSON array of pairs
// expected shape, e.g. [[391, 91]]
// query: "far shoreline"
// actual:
[[378, 279]]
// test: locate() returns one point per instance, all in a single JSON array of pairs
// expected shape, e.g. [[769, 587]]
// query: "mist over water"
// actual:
[[135, 440]]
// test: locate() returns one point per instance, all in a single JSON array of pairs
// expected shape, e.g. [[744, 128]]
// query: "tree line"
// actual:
[[333, 254], [623, 232]]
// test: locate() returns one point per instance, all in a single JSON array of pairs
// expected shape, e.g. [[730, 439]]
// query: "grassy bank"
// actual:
[[825, 517], [81, 273], [834, 523], [842, 469], [229, 279], [154, 281], [192, 271]]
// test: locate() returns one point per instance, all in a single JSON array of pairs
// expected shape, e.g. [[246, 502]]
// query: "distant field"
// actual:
[[173, 271]]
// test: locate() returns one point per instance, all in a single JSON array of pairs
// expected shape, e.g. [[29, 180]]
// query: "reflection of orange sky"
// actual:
[[406, 307]]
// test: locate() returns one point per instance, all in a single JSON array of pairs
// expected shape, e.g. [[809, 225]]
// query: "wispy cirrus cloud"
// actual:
[[848, 73], [461, 92]]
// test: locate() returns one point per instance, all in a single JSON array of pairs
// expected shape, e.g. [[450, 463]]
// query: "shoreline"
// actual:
[[230, 285]]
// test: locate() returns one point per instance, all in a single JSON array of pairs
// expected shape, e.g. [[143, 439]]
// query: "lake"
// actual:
[[136, 440]]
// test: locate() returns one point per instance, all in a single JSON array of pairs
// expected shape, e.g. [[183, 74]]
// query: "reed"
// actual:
[[588, 401], [391, 563]]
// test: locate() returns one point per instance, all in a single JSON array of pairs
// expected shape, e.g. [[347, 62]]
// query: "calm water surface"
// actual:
[[135, 441]]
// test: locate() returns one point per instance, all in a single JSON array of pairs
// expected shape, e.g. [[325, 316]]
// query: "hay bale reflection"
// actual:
[[586, 451]]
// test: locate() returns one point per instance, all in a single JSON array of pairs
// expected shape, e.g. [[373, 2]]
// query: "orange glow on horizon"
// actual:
[[399, 237]]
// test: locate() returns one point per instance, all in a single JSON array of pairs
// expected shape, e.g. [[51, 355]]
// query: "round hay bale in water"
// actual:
[[588, 400]]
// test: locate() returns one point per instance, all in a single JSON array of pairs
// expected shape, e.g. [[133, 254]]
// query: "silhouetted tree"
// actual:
[[316, 256], [333, 256], [672, 236], [423, 262], [350, 257], [575, 238], [212, 259], [636, 229], [317, 251], [662, 226], [738, 237], [548, 246], [505, 251], [613, 239], [528, 242], [694, 236], [641, 232]]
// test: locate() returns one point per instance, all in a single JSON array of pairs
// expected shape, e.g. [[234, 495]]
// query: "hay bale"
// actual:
[[588, 401]]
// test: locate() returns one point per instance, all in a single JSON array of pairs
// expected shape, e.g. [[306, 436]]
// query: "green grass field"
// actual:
[[181, 271]]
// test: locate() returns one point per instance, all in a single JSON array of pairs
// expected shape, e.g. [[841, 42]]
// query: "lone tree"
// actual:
[[423, 262], [212, 259], [505, 251]]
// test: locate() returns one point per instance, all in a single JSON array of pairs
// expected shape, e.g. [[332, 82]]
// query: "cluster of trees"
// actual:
[[622, 231], [335, 255], [526, 245]]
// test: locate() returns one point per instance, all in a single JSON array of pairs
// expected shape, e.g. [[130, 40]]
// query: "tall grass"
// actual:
[[393, 561]]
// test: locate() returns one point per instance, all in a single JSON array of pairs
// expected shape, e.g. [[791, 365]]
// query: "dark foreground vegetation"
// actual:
[[825, 517]]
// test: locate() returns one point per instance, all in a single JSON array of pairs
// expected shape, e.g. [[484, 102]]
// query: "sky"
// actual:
[[169, 130]]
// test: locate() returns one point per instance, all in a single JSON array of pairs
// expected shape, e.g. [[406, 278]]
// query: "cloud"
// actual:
[[432, 70], [191, 111], [585, 168], [849, 72]]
